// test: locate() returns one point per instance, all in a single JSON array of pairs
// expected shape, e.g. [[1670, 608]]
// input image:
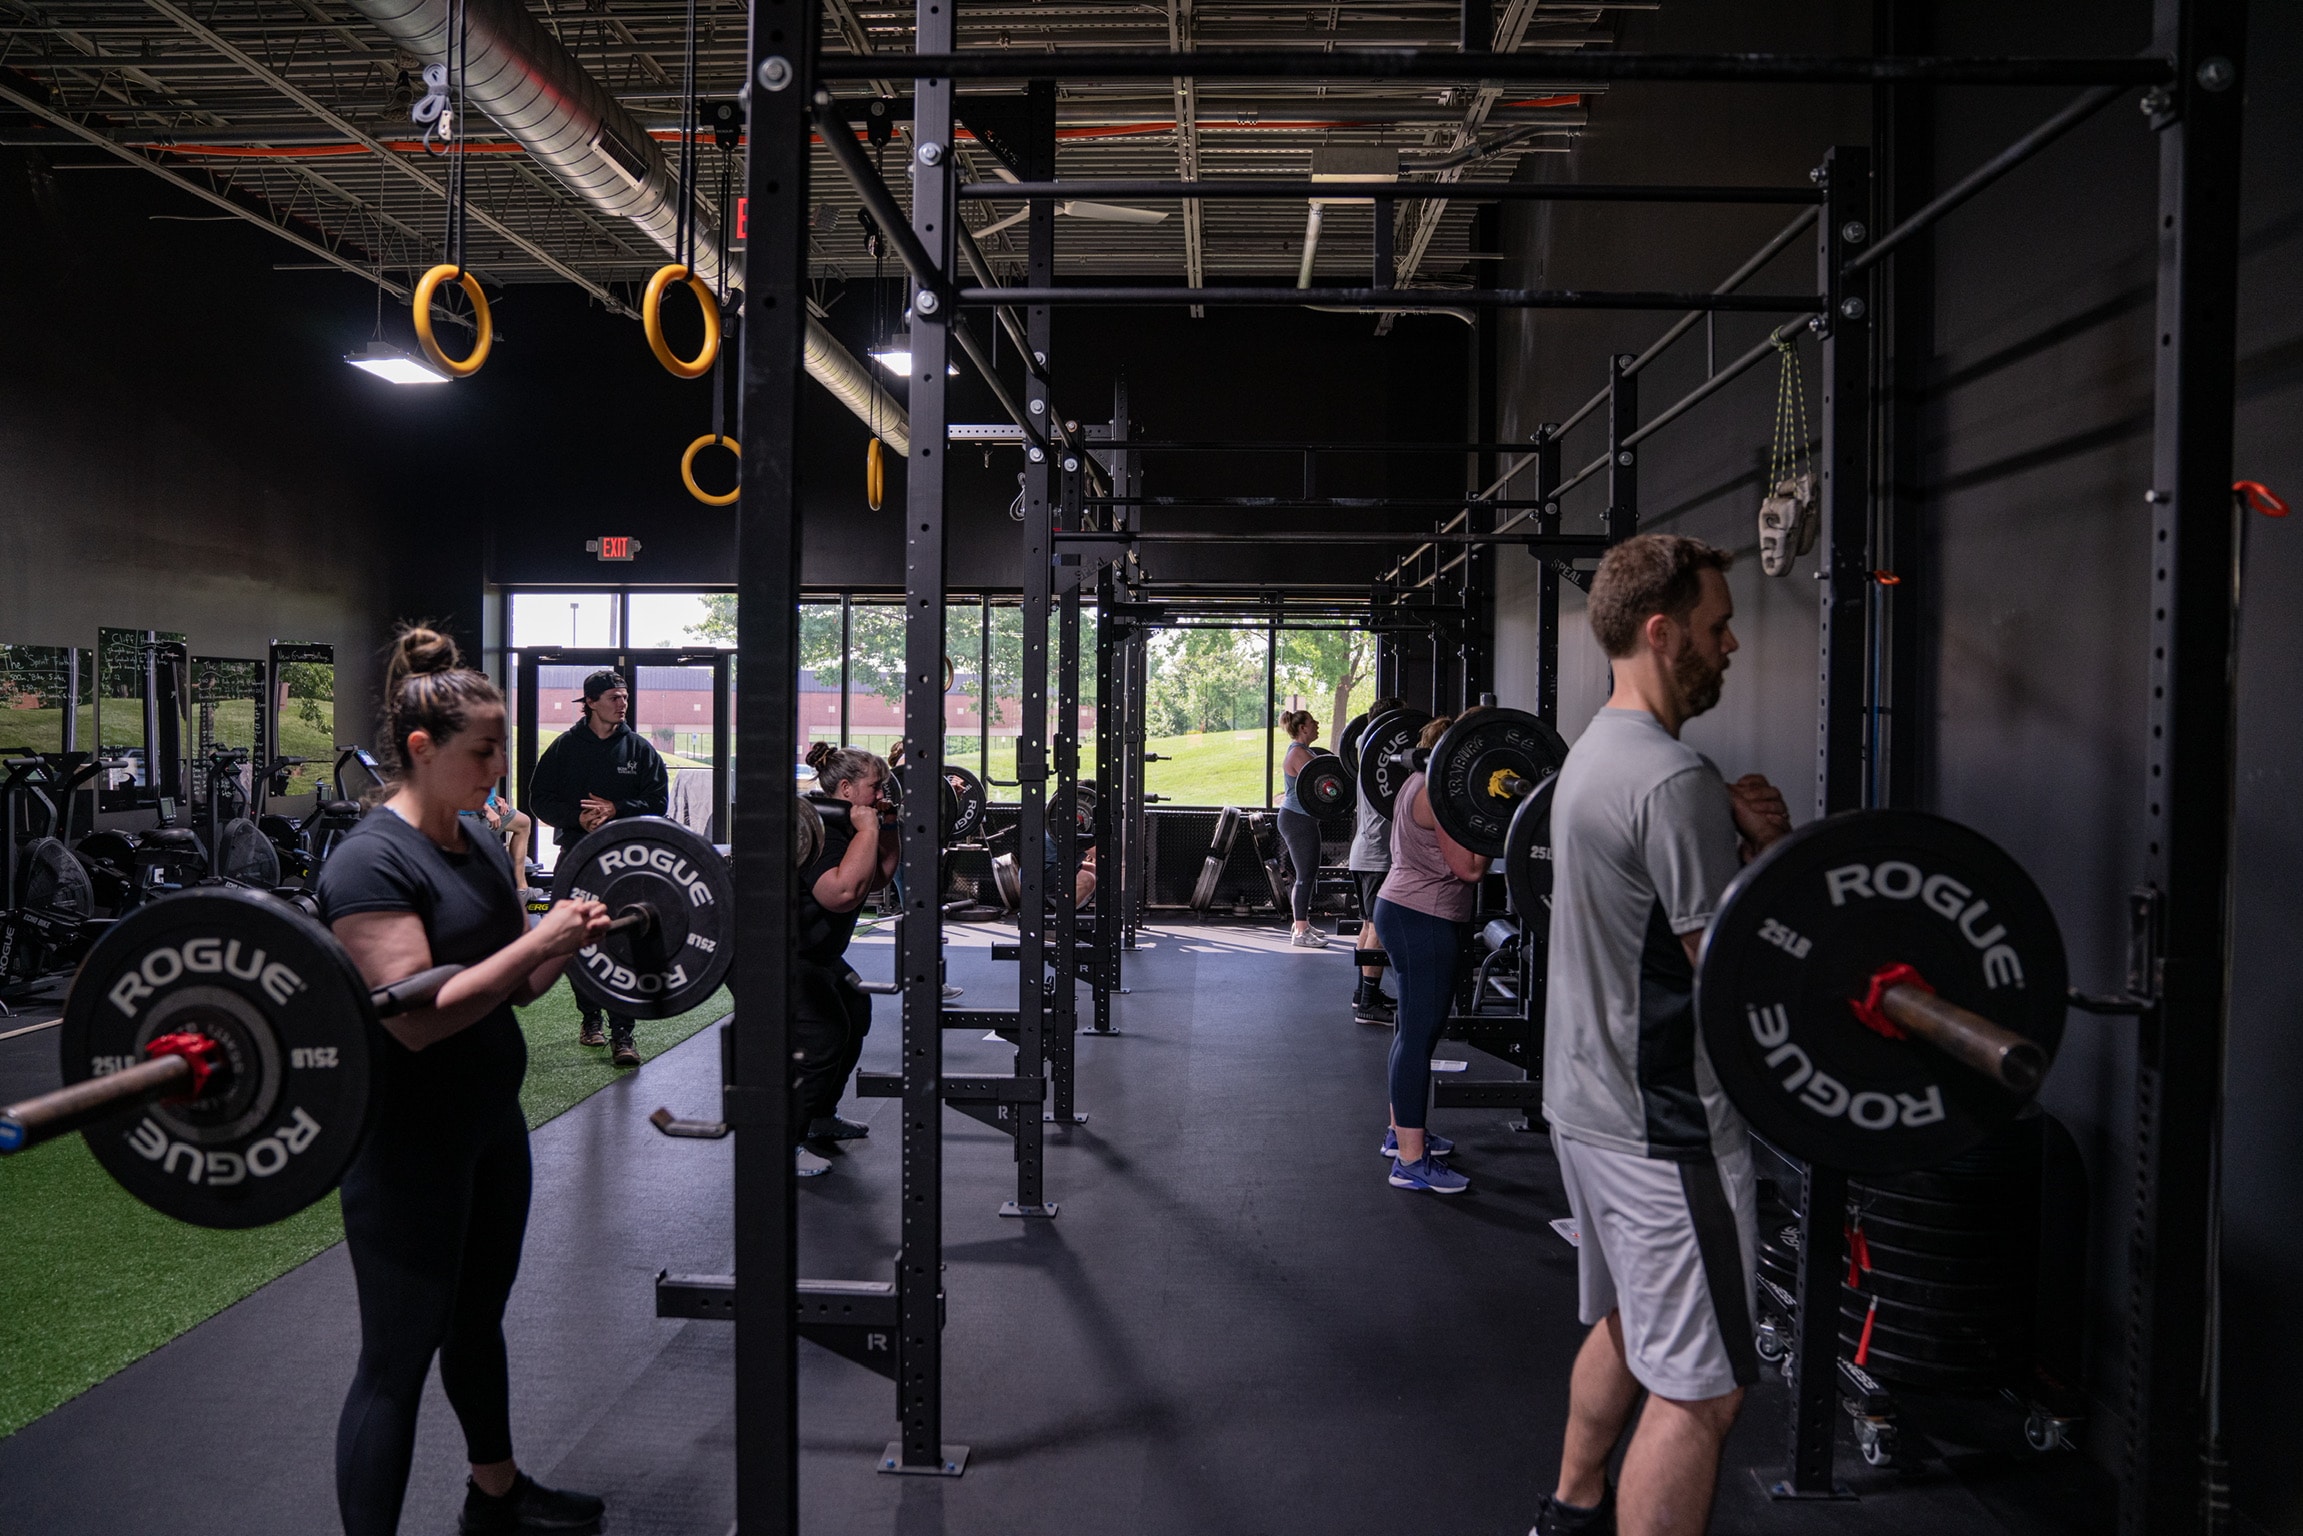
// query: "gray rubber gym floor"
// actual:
[[1234, 1328]]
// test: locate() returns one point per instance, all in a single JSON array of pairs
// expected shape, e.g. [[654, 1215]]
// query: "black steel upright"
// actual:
[[2172, 1476], [919, 1263], [1064, 924], [780, 56], [1032, 742], [1622, 458], [1547, 576], [1844, 638], [1843, 629]]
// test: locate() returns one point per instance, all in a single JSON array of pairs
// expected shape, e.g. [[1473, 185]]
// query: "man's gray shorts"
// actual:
[[1671, 1246]]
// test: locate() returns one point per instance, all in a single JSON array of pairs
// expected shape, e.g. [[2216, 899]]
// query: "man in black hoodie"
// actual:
[[598, 770]]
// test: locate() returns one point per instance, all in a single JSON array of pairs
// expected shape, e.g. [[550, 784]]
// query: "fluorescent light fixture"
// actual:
[[1110, 213], [898, 361], [395, 366]]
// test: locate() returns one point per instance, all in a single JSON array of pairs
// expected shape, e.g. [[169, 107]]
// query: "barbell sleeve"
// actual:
[[1966, 1037], [50, 1115]]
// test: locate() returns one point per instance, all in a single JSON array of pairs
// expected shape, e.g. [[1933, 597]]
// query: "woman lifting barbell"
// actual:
[[1420, 912], [436, 1202], [831, 1012], [1298, 828]]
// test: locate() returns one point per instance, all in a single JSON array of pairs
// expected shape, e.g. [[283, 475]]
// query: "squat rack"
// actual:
[[2178, 982]]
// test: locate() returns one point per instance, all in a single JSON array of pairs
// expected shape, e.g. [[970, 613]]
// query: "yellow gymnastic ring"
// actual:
[[875, 475], [425, 288], [688, 470], [652, 321]]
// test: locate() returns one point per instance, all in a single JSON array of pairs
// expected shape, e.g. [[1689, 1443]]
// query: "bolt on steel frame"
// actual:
[[2179, 982]]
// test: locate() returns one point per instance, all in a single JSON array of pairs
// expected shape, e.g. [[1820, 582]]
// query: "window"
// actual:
[[563, 618], [1205, 711], [680, 621]]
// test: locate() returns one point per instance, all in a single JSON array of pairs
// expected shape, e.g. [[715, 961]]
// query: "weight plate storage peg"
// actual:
[[676, 959], [1324, 786], [1483, 767], [1881, 991], [1384, 764], [282, 1107]]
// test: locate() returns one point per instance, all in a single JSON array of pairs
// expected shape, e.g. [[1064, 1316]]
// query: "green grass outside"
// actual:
[[233, 723], [91, 1281]]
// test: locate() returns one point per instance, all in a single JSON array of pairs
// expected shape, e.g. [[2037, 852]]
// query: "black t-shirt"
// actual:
[[824, 934], [470, 909]]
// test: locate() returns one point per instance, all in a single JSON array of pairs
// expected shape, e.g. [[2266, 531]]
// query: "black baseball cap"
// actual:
[[600, 682]]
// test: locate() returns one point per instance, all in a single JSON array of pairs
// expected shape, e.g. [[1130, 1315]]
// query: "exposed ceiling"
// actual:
[[295, 113]]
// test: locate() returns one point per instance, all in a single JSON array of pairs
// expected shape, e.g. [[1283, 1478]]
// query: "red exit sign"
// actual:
[[613, 546], [743, 218]]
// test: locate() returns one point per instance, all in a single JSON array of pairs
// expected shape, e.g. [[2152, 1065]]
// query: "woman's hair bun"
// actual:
[[419, 650], [819, 752]]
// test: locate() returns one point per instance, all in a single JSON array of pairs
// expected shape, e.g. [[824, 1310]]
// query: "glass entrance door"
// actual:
[[680, 704]]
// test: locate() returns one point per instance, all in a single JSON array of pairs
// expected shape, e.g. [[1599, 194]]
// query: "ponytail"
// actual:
[[428, 688]]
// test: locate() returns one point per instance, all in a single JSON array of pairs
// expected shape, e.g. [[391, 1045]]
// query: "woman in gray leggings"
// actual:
[[1299, 828]]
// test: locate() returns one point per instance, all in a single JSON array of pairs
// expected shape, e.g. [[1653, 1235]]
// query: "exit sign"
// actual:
[[613, 547]]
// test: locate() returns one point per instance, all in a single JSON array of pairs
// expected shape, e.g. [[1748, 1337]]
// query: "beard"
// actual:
[[1698, 681]]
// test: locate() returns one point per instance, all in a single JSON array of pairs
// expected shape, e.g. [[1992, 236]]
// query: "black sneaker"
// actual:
[[833, 1128], [1372, 1006], [529, 1506], [1554, 1518], [621, 1051], [590, 1032]]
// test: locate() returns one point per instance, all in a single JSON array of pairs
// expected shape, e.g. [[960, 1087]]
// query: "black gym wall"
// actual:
[[2034, 450], [179, 441], [574, 431]]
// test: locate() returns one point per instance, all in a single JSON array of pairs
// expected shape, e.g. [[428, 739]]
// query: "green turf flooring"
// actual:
[[90, 1280]]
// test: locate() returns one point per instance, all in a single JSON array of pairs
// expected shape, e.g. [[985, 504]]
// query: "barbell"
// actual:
[[1881, 991], [1476, 775], [216, 1044]]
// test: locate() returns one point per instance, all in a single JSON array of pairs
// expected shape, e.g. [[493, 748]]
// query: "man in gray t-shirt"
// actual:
[[1645, 836]]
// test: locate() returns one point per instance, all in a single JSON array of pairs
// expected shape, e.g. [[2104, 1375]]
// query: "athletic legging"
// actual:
[[1422, 950], [434, 1214], [1301, 834], [830, 1018]]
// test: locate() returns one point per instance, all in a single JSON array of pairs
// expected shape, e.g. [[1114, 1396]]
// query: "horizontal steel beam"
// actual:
[[1564, 544], [1406, 300], [1290, 190], [1449, 64]]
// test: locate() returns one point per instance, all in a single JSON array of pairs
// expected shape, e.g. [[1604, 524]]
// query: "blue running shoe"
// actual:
[[1428, 1173], [1434, 1144]]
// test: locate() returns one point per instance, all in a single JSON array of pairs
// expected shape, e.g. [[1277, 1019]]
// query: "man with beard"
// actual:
[[1645, 836]]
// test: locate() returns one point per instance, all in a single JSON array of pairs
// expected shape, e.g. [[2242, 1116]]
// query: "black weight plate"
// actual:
[[275, 1131], [1347, 743], [1527, 855], [1008, 881], [1474, 765], [1383, 749], [967, 806], [1963, 1300], [1800, 934], [1920, 1211], [1942, 1242], [1325, 785], [1895, 1371], [679, 962]]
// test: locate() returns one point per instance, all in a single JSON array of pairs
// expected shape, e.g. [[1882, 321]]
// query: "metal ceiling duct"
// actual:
[[520, 75]]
